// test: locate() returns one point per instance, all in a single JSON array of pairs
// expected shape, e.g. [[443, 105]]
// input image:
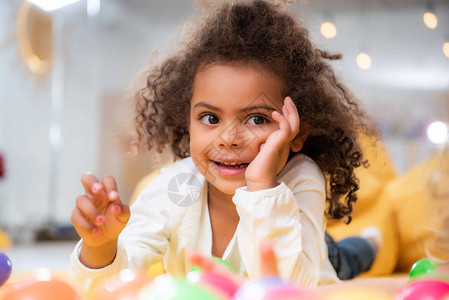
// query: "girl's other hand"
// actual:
[[261, 172], [99, 215], [267, 261]]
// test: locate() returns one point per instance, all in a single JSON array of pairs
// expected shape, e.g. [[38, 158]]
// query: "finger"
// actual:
[[268, 264], [110, 187], [196, 259], [91, 184], [121, 212], [284, 125], [291, 113], [80, 223], [88, 209]]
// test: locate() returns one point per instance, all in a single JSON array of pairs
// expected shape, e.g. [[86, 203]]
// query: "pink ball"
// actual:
[[219, 283], [284, 292], [428, 289]]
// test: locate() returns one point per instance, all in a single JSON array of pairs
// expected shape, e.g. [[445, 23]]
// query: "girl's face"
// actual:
[[230, 117]]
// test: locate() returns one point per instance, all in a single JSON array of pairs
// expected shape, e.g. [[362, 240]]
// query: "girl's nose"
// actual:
[[232, 136]]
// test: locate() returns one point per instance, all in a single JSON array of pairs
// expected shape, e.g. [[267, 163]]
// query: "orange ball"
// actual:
[[123, 286], [41, 286]]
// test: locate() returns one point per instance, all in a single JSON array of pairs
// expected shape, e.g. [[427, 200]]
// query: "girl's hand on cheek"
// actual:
[[261, 172], [99, 215]]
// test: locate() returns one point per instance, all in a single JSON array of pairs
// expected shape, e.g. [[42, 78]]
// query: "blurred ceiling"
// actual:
[[405, 53]]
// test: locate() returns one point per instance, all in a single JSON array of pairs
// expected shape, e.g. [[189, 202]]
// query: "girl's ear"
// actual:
[[298, 142], [300, 139]]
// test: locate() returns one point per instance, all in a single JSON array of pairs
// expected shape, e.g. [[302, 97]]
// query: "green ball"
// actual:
[[224, 263], [195, 269], [217, 259], [422, 267], [166, 287]]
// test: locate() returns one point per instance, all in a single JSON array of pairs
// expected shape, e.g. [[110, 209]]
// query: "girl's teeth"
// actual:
[[232, 164]]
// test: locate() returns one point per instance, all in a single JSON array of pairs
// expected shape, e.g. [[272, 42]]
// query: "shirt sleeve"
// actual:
[[291, 215], [89, 280]]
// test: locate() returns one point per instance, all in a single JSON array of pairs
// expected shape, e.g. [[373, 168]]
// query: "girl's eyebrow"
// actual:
[[246, 109], [206, 105], [255, 107]]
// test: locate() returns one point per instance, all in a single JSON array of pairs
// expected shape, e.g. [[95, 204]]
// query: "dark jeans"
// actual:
[[350, 256]]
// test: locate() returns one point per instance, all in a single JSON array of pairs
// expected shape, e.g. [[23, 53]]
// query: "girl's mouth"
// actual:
[[230, 169], [232, 165]]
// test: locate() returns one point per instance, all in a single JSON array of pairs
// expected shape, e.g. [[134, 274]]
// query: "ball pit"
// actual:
[[215, 284]]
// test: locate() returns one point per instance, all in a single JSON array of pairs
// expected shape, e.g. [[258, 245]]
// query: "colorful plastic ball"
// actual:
[[165, 287], [264, 288], [219, 284], [42, 285], [218, 260], [224, 263], [286, 292], [428, 289], [123, 286], [422, 267], [5, 268]]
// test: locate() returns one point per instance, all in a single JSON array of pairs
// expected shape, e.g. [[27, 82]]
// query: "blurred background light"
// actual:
[[430, 20], [446, 49], [51, 5], [93, 7], [328, 30], [364, 61], [437, 132]]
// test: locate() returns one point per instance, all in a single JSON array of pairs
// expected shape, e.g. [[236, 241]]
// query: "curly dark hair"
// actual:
[[265, 34]]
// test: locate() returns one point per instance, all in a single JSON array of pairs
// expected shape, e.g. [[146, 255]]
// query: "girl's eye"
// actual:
[[209, 119], [257, 120]]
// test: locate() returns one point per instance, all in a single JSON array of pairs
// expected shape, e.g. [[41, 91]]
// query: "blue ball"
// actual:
[[5, 268]]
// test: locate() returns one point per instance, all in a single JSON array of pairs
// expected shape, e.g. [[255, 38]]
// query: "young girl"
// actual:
[[434, 179], [257, 117]]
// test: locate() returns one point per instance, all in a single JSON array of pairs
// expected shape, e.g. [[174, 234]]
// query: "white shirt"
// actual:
[[171, 217]]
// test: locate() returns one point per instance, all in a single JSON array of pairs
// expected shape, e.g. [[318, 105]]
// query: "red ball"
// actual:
[[41, 286], [429, 289]]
